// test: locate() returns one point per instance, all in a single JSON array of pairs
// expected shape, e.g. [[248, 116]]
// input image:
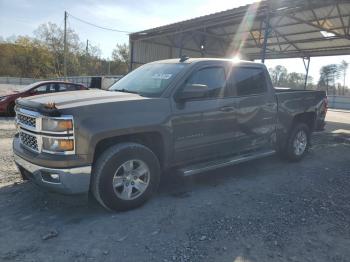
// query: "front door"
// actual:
[[199, 125]]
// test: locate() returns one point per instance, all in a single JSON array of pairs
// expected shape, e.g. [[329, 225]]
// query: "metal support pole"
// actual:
[[202, 47], [131, 54], [65, 45], [266, 35], [307, 66], [180, 45]]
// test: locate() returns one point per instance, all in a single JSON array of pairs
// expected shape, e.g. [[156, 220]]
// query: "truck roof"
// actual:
[[197, 60]]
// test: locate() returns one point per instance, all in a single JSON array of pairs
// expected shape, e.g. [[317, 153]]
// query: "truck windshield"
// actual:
[[148, 80]]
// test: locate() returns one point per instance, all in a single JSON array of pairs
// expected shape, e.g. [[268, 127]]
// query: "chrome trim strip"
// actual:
[[231, 161], [28, 112]]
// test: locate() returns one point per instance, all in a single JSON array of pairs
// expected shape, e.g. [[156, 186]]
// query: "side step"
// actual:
[[207, 166]]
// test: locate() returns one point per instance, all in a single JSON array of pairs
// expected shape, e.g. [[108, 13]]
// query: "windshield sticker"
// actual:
[[162, 76]]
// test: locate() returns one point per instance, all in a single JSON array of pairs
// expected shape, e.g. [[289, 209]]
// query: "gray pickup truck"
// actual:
[[192, 115]]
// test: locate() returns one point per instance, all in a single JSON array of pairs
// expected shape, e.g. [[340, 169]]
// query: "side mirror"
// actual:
[[193, 91]]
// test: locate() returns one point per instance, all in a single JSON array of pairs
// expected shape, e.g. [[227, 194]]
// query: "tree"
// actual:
[[120, 56], [26, 58], [344, 68], [328, 76], [296, 80], [278, 75], [43, 55], [121, 53], [51, 36]]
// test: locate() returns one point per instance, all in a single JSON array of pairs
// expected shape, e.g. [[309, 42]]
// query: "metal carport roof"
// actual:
[[266, 29]]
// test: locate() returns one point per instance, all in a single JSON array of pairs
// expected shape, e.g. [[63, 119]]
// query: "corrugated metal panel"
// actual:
[[145, 52], [296, 26], [324, 44]]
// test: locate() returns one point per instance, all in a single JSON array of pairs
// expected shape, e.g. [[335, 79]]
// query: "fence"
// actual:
[[339, 102], [86, 80], [17, 80]]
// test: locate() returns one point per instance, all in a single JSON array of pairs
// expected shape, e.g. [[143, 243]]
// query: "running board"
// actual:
[[207, 166]]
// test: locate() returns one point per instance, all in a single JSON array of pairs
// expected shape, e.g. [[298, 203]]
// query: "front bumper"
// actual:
[[67, 181]]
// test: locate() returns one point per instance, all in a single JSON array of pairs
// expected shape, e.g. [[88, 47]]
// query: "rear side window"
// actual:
[[68, 87], [42, 89], [213, 77], [245, 81]]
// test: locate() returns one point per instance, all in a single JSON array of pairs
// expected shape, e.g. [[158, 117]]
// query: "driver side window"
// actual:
[[213, 77], [43, 89]]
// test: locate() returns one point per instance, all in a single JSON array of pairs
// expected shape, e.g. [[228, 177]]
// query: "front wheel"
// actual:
[[125, 176], [11, 110], [298, 143]]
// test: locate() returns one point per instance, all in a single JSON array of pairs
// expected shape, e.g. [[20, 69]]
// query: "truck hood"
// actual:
[[83, 98]]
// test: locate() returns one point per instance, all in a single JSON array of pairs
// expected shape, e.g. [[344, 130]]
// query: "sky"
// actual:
[[22, 17]]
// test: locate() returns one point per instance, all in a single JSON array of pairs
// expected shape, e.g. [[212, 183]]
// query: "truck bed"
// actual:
[[292, 102]]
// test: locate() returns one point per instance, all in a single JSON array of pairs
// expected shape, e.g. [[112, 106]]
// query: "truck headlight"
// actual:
[[57, 125], [56, 144]]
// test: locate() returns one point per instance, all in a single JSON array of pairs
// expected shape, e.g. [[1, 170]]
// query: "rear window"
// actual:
[[245, 81], [68, 87]]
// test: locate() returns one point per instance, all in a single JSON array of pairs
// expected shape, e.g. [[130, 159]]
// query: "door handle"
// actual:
[[226, 109]]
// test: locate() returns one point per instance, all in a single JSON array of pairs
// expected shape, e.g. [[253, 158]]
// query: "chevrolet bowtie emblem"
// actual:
[[51, 105]]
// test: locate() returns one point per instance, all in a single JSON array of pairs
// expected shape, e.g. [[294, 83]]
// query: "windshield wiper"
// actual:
[[126, 91]]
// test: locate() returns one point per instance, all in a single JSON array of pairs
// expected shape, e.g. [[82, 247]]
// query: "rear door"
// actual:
[[256, 108]]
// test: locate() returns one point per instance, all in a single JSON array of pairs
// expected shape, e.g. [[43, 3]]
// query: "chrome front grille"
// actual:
[[26, 120], [29, 141]]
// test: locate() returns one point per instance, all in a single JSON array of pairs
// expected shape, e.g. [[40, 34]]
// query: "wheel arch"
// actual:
[[308, 118], [153, 140], [11, 105]]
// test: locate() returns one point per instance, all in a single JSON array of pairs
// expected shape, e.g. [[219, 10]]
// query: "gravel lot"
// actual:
[[265, 210], [6, 88]]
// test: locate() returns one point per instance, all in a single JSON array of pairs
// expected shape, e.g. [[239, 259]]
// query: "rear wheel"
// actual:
[[298, 143], [125, 176], [11, 109]]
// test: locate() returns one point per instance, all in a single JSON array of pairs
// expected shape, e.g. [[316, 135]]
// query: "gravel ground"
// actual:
[[265, 210], [5, 88]]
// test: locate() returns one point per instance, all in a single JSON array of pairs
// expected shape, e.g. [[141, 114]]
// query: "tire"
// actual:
[[121, 167], [11, 109], [298, 142]]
